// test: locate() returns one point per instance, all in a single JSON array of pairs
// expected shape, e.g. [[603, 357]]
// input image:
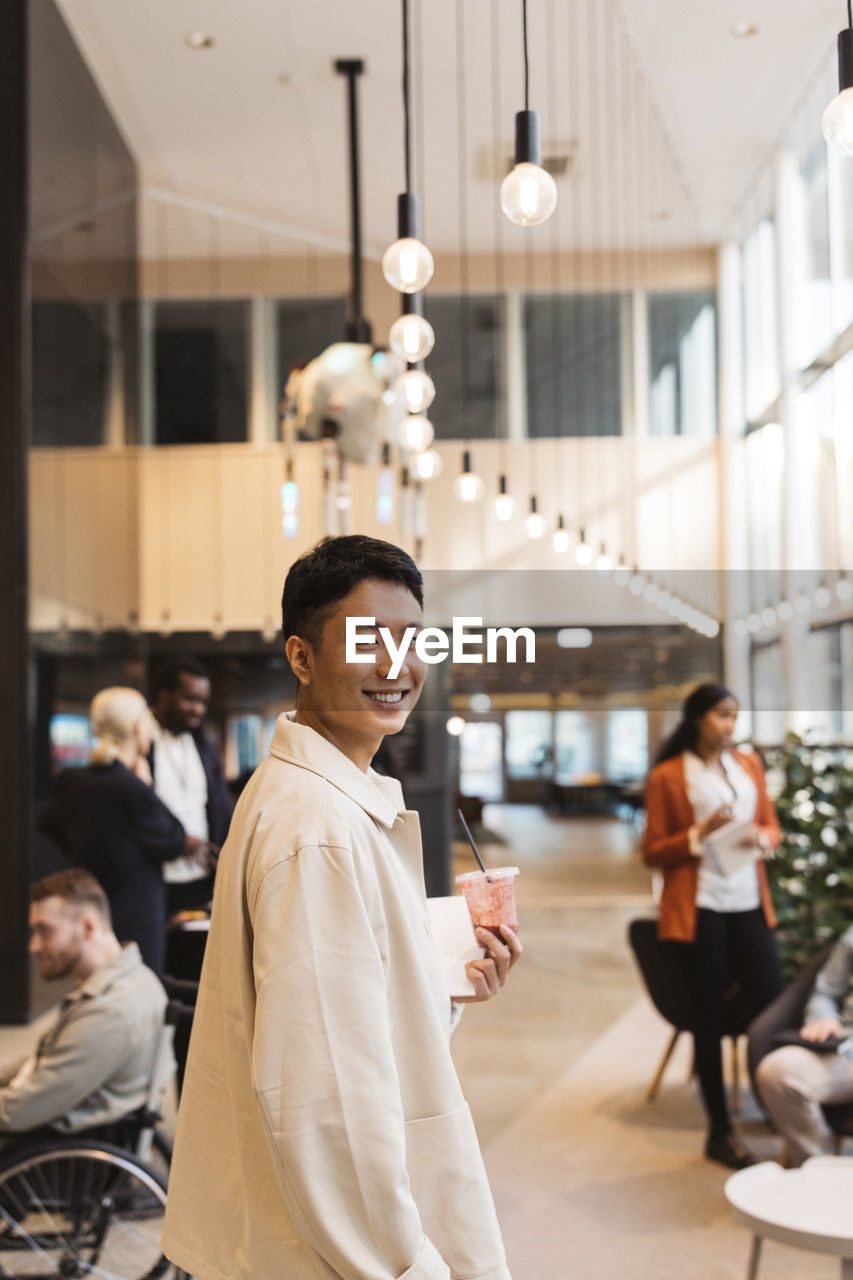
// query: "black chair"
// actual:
[[182, 995], [669, 994], [786, 1013]]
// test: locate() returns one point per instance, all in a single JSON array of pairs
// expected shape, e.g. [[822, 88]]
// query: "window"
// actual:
[[627, 743], [481, 760], [574, 364], [816, 320], [768, 694], [463, 364], [682, 364], [201, 373], [841, 214], [575, 747], [823, 671], [305, 327], [761, 362], [70, 361], [528, 744]]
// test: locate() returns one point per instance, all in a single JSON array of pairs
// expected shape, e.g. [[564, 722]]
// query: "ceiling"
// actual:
[[666, 118]]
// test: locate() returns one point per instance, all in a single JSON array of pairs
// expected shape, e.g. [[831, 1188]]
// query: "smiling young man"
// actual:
[[322, 1131]]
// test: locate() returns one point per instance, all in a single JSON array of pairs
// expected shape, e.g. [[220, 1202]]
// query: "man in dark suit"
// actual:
[[188, 776]]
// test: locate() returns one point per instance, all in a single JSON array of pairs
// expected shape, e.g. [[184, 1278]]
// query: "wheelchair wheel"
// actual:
[[76, 1209]]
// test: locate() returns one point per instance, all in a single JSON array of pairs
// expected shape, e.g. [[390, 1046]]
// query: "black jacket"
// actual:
[[108, 821], [219, 802]]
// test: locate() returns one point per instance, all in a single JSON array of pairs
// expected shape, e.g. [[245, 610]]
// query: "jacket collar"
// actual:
[[302, 746]]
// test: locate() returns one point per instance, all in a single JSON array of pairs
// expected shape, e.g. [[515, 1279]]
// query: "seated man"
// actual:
[[795, 1081], [94, 1064]]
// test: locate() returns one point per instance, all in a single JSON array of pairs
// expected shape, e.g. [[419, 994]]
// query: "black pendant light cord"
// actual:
[[850, 14], [526, 60], [407, 140]]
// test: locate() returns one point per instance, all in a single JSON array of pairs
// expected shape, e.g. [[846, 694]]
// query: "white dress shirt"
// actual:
[[180, 782], [707, 790]]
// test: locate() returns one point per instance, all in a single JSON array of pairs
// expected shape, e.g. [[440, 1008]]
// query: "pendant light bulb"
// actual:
[[535, 522], [528, 195], [603, 563], [583, 551], [427, 465], [560, 537], [468, 487], [528, 192], [411, 338], [838, 117], [408, 265], [416, 432], [416, 389], [503, 502]]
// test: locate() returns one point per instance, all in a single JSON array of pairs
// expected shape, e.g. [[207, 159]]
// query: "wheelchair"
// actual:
[[92, 1203]]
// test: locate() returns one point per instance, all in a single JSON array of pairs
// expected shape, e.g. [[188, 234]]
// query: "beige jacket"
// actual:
[[322, 1132]]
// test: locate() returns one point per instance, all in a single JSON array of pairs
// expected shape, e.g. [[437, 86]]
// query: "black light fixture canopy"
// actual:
[[528, 193], [838, 116]]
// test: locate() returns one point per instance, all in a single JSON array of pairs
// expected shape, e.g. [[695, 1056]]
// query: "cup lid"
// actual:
[[493, 873]]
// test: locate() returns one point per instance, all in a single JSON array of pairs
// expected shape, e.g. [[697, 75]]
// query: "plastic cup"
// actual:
[[490, 896]]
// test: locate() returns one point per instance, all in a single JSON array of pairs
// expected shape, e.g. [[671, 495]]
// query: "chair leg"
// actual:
[[651, 1092], [735, 1064]]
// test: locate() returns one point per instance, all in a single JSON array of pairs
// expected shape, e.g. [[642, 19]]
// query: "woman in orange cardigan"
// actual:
[[720, 925]]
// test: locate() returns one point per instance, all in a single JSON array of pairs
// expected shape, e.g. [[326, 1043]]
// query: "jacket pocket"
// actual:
[[452, 1193]]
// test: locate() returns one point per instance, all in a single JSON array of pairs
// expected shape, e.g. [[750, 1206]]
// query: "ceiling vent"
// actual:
[[559, 158]]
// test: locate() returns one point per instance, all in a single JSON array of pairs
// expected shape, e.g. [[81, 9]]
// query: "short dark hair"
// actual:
[[331, 570], [167, 676], [78, 888]]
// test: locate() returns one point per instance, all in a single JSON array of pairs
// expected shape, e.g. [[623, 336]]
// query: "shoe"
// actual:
[[730, 1151]]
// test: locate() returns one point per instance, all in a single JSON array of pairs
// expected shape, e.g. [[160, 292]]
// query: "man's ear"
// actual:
[[300, 655], [90, 924]]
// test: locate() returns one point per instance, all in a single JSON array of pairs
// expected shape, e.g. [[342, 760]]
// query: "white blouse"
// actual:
[[707, 790]]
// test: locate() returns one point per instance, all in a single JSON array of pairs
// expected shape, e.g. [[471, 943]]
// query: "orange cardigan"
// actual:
[[669, 817]]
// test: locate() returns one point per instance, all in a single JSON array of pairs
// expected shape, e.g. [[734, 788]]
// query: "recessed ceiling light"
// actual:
[[199, 40], [743, 30]]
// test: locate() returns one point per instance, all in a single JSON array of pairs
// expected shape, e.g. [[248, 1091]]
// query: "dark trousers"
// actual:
[[736, 945]]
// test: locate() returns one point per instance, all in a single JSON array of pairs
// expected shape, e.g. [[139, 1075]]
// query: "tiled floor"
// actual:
[[581, 882]]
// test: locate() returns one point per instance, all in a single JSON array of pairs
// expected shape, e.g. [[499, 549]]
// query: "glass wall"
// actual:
[[760, 321], [573, 354], [464, 364], [201, 371], [304, 327], [816, 319], [682, 364]]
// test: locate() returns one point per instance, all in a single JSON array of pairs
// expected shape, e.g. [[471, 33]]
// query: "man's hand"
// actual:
[[822, 1029], [489, 974]]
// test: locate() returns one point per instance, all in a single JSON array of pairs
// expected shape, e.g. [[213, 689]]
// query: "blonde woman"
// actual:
[[107, 818]]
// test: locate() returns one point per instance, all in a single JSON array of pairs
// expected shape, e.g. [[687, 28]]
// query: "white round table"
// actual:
[[809, 1208]]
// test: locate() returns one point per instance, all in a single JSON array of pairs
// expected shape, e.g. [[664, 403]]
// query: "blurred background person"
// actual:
[[796, 1081], [720, 924], [93, 1065], [107, 818], [188, 777]]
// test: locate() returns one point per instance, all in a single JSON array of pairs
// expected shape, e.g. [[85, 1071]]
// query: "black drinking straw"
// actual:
[[467, 829]]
